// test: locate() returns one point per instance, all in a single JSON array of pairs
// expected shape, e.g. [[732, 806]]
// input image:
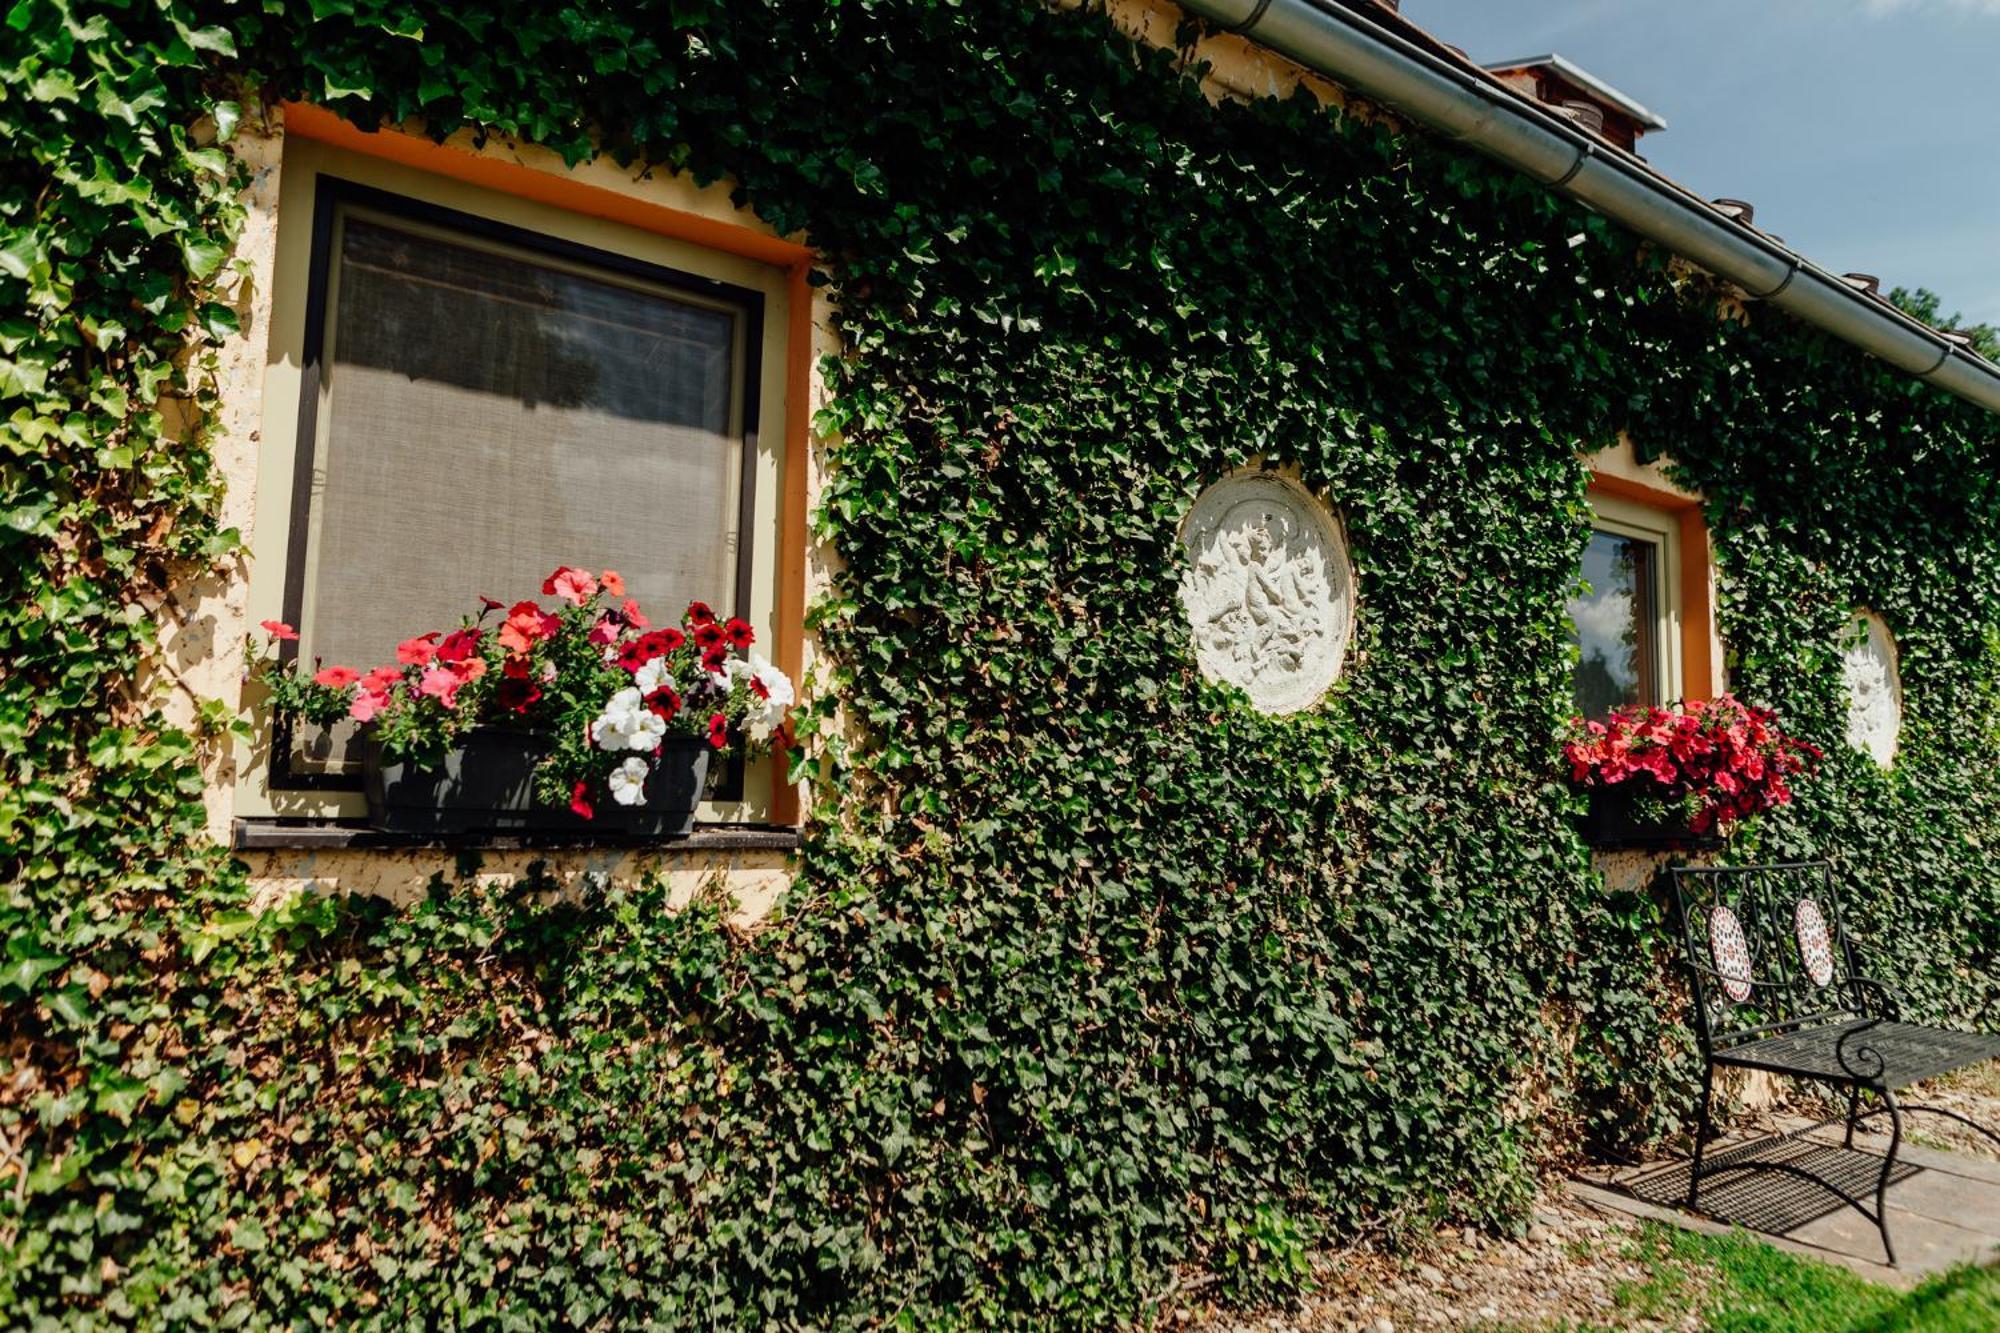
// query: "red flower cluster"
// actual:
[[594, 676], [1724, 758]]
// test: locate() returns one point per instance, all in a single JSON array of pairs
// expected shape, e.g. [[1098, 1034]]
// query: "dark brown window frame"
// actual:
[[331, 194]]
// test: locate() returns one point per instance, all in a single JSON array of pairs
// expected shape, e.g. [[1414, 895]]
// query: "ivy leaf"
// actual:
[[21, 255], [201, 255], [119, 1096], [22, 378], [71, 1004], [27, 963]]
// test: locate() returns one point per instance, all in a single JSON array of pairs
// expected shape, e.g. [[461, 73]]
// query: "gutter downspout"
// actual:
[[1358, 53]]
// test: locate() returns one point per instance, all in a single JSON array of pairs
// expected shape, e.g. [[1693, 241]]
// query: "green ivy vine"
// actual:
[[1094, 979]]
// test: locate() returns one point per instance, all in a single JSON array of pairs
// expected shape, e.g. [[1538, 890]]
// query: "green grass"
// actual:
[[1746, 1286]]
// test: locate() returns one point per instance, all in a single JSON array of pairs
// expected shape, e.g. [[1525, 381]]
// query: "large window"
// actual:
[[1624, 615], [481, 403]]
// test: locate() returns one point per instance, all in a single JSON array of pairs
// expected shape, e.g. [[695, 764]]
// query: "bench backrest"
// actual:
[[1765, 950]]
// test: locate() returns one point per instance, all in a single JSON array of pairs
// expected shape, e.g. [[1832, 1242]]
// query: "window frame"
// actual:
[[661, 218], [332, 194], [1619, 517]]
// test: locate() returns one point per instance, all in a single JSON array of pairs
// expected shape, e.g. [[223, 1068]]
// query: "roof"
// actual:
[[1573, 73], [1371, 48]]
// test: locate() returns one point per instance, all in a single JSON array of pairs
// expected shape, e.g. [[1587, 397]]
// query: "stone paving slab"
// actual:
[[1944, 1207]]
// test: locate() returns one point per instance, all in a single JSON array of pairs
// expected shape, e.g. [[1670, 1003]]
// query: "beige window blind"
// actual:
[[487, 413]]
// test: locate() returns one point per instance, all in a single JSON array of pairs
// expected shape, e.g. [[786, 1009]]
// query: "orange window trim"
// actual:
[[1697, 600], [734, 238]]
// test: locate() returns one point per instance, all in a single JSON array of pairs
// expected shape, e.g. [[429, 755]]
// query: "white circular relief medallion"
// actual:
[[1269, 592]]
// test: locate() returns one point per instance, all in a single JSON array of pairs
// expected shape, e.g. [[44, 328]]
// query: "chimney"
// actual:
[[1579, 96]]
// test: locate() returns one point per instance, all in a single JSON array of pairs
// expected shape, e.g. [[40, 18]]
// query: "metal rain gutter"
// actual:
[[1356, 52]]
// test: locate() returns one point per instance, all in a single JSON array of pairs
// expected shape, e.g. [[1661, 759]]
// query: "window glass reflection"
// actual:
[[1614, 625]]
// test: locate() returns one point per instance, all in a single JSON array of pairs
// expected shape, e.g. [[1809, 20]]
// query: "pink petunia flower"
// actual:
[[441, 684], [278, 629], [336, 677], [575, 586]]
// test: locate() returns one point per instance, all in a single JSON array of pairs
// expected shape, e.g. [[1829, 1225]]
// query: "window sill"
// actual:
[[261, 835]]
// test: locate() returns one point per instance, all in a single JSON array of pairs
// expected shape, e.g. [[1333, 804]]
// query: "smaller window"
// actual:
[[1625, 618], [1616, 625]]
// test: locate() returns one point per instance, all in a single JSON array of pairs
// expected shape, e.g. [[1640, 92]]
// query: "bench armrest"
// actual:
[[1889, 1001]]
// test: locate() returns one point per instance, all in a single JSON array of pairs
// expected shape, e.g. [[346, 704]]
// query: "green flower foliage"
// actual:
[[1094, 978]]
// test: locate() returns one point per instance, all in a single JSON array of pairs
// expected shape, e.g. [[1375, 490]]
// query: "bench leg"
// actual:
[[1701, 1130], [1853, 1105], [1888, 1166]]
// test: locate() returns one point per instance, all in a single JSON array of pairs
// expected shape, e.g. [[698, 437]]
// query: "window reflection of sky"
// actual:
[[1605, 625]]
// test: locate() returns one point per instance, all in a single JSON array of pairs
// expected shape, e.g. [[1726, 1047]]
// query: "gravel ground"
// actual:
[[1577, 1268], [1573, 1270], [1974, 1093]]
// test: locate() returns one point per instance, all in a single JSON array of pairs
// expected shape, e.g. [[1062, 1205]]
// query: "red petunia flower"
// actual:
[[382, 679], [278, 629], [664, 702], [336, 677], [579, 800], [739, 632], [458, 645], [488, 604], [516, 694], [612, 582], [710, 636], [698, 614], [527, 624], [418, 651], [718, 731], [575, 586]]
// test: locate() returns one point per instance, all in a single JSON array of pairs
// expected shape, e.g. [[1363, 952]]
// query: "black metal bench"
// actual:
[[1776, 989]]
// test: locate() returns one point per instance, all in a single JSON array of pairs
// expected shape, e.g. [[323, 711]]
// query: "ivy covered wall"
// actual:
[[1093, 977]]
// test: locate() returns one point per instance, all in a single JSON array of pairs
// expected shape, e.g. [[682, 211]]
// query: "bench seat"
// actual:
[[1875, 1052]]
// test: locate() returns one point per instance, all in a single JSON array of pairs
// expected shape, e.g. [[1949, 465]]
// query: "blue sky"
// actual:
[[1865, 131]]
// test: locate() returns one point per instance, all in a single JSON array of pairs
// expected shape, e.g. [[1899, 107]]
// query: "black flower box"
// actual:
[[1620, 818], [486, 785]]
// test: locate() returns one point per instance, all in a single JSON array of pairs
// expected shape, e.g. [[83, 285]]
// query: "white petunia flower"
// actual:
[[653, 675], [626, 724], [648, 729], [628, 782], [770, 695]]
